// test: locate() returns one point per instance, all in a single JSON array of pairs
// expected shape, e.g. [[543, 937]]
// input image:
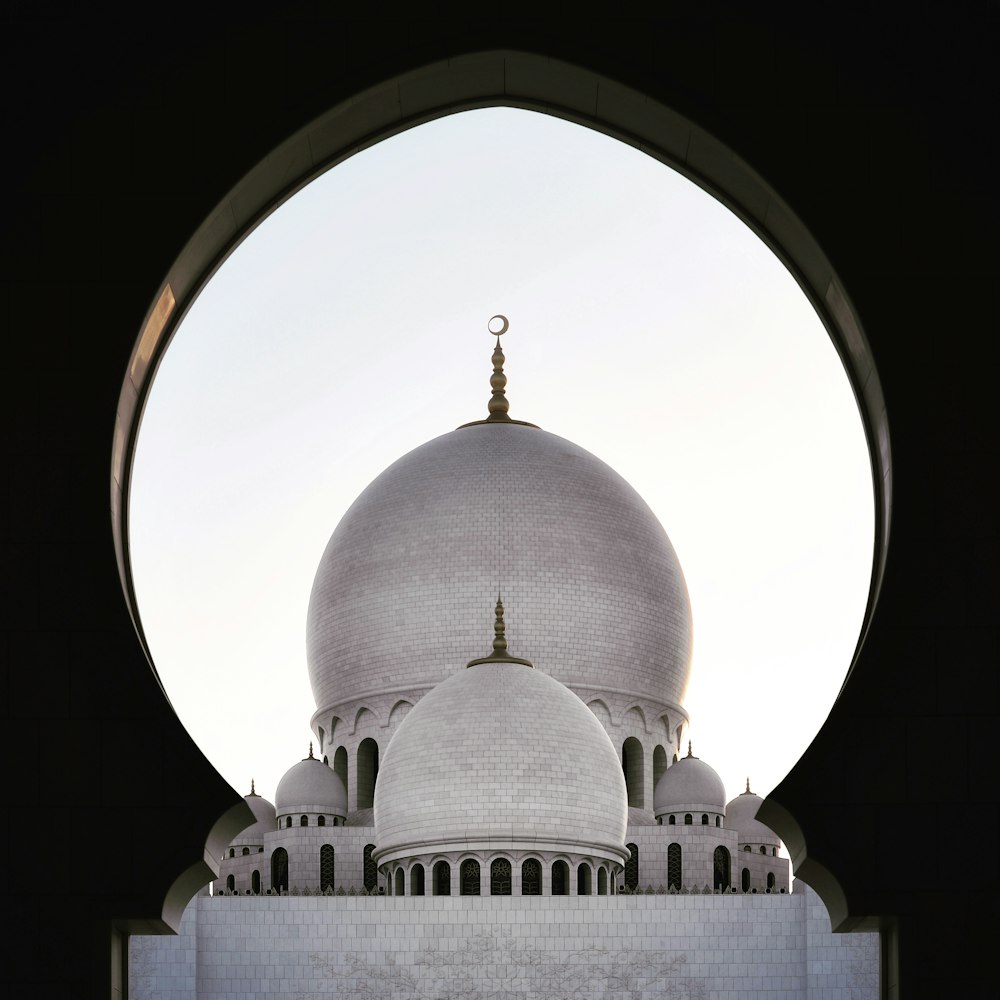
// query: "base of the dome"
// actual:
[[494, 423], [489, 847]]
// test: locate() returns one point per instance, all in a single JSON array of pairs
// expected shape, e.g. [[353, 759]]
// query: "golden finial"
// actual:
[[748, 792], [689, 749], [499, 629], [498, 406], [253, 791], [499, 654]]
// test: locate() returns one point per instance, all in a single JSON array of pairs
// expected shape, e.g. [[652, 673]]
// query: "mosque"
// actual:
[[454, 774]]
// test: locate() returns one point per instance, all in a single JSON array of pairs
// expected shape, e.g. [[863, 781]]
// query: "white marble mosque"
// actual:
[[519, 815]]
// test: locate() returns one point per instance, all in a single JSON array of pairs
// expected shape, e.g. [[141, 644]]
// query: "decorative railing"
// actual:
[[650, 890]]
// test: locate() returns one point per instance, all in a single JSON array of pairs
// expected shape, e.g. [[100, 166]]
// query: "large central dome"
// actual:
[[594, 590]]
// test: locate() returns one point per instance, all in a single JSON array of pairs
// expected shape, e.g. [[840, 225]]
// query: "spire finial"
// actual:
[[311, 757], [498, 405], [747, 792], [499, 629], [499, 654], [253, 791], [689, 749]]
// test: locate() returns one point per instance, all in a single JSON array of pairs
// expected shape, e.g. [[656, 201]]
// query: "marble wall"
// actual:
[[688, 947]]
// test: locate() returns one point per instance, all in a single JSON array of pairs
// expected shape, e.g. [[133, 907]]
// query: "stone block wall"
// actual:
[[730, 947]]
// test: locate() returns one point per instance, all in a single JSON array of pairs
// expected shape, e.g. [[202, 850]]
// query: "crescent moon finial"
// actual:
[[498, 405], [502, 330]]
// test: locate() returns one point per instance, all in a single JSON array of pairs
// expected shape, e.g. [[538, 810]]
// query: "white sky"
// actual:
[[648, 325]]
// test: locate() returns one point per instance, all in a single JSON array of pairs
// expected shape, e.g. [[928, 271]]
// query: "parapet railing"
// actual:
[[650, 890]]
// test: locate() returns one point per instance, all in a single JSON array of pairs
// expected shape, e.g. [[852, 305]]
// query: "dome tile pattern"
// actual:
[[741, 815], [690, 784], [596, 593], [265, 821], [310, 786], [500, 753]]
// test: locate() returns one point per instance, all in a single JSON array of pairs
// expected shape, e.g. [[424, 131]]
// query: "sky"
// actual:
[[647, 324]]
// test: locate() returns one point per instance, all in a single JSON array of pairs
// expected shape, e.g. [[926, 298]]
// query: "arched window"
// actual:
[[672, 821], [246, 851], [321, 821], [675, 871], [774, 852], [232, 852], [303, 821], [718, 821], [255, 883], [763, 849], [704, 819], [746, 847], [340, 765], [632, 767], [367, 772], [327, 871], [442, 879], [469, 878], [659, 764], [500, 877], [288, 822], [231, 883], [560, 879], [721, 868], [417, 880], [688, 820], [602, 881], [400, 882], [770, 880], [371, 872], [584, 884], [632, 867], [745, 880], [279, 870], [531, 878]]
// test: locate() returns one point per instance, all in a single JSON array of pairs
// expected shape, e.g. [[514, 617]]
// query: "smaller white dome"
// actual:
[[310, 786], [741, 816], [690, 785], [266, 821], [500, 756]]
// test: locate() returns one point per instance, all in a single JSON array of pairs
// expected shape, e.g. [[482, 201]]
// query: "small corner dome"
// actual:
[[311, 786], [741, 815], [265, 820], [500, 754], [689, 785]]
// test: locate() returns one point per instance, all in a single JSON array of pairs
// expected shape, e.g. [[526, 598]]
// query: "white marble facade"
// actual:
[[686, 947]]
